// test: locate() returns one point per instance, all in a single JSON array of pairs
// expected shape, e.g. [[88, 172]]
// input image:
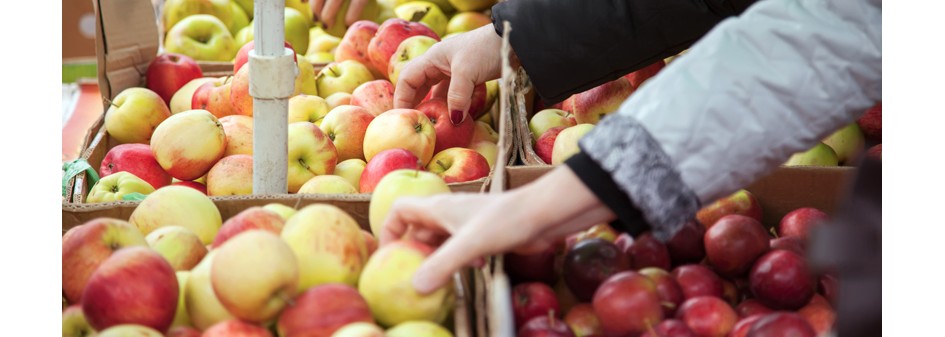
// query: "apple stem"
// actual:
[[443, 166], [551, 318], [649, 327], [333, 71], [112, 103], [418, 15], [774, 232]]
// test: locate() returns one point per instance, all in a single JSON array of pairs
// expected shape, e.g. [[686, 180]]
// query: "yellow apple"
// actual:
[[296, 28], [202, 303], [284, 211], [338, 99], [311, 153], [232, 175], [344, 76], [467, 21], [320, 58], [307, 108], [115, 186], [472, 5], [134, 115], [408, 129], [351, 170], [178, 245], [240, 19], [254, 275], [346, 126], [203, 37], [176, 10], [305, 81], [418, 329], [424, 12], [125, 330], [484, 132], [359, 329], [397, 184], [566, 144], [187, 144], [183, 98], [181, 318], [328, 245], [327, 184], [488, 150], [239, 134], [178, 206], [319, 41]]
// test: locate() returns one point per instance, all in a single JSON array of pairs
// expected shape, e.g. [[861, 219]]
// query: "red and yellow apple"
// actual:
[[566, 144], [178, 206], [385, 162], [187, 144], [203, 306], [134, 115], [401, 128], [322, 310], [328, 245], [344, 76], [178, 245], [456, 165], [135, 285], [351, 170], [389, 36], [346, 126], [136, 159], [253, 218], [232, 175], [311, 153], [86, 246], [254, 275], [397, 184], [375, 97], [239, 134], [448, 135], [307, 108]]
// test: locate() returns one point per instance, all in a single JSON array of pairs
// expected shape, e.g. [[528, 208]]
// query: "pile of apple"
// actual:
[[343, 133], [176, 268], [845, 146], [723, 275]]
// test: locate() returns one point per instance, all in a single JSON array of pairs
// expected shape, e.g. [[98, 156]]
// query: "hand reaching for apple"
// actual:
[[468, 227], [326, 10], [465, 60]]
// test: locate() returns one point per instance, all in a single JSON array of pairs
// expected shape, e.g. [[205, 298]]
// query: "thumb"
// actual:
[[438, 269], [460, 93]]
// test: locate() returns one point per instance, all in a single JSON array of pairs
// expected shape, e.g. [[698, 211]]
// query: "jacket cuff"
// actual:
[[629, 218], [636, 164]]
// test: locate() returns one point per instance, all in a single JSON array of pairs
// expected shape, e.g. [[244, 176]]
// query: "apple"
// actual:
[[383, 163], [375, 96], [386, 282], [239, 135], [423, 12], [169, 72], [566, 299], [418, 329], [253, 218], [74, 323], [181, 318], [799, 222], [780, 280], [547, 119], [136, 159], [538, 267], [488, 150], [819, 314], [847, 143], [409, 49], [534, 299], [871, 123], [351, 170], [203, 37], [242, 56], [285, 212], [781, 324], [321, 42], [124, 330], [178, 206], [589, 263], [219, 98], [670, 328], [178, 245], [305, 81], [819, 155], [203, 306], [708, 316], [183, 331], [354, 44], [457, 165], [484, 132], [240, 18], [547, 325], [344, 76], [467, 21], [183, 97], [327, 184], [400, 183], [328, 246], [232, 175], [187, 144], [307, 108], [566, 144], [741, 327], [323, 310], [115, 187], [751, 307], [544, 146], [730, 292], [86, 246], [389, 36], [235, 327], [627, 303], [734, 242], [176, 10], [241, 102], [134, 115], [483, 97], [311, 153], [637, 78], [296, 27], [791, 243], [875, 152], [192, 184], [401, 128], [254, 275], [370, 241], [697, 280], [671, 295], [346, 126], [583, 321], [135, 285], [741, 202], [589, 106], [338, 99], [448, 135], [360, 329], [371, 11], [647, 251]]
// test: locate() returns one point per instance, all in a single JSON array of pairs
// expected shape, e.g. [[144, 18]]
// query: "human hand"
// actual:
[[465, 60], [326, 10]]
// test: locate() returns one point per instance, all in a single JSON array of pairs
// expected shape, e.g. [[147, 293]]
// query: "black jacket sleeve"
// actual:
[[570, 46]]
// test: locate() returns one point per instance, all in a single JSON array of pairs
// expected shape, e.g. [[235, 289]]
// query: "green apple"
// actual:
[[296, 28], [320, 58], [847, 143], [418, 329], [466, 21], [819, 155], [342, 76], [248, 7], [320, 41], [74, 323], [442, 4], [547, 119], [327, 184], [254, 274], [351, 170], [472, 5], [115, 186], [240, 19], [178, 245], [243, 36], [284, 211], [424, 12], [566, 144], [410, 48], [307, 108], [203, 306], [328, 246], [305, 82], [134, 114], [181, 318], [303, 7], [203, 37], [311, 153], [177, 10], [397, 184]]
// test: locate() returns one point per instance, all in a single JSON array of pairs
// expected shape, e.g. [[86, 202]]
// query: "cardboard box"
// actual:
[[78, 30]]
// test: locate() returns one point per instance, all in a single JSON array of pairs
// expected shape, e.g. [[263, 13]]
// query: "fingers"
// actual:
[[416, 78], [354, 11], [411, 217], [329, 12], [317, 6], [438, 269], [458, 97]]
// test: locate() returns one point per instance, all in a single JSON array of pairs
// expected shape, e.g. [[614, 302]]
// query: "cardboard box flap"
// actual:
[[126, 52]]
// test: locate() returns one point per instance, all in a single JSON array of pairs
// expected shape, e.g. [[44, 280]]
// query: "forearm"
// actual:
[[558, 204]]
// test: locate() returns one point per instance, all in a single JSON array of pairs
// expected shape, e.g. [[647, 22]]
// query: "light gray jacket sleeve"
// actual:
[[756, 89]]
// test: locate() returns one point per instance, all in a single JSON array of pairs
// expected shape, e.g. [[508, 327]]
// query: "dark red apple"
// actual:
[[671, 296], [741, 328], [875, 152], [734, 243], [780, 280], [168, 72], [601, 231], [792, 243], [819, 314], [708, 316], [872, 123], [627, 303], [546, 143], [583, 321], [589, 263], [647, 251], [385, 162], [136, 159], [687, 244], [545, 326], [827, 286], [752, 307], [698, 280], [781, 324], [670, 328], [535, 299], [538, 267], [799, 222]]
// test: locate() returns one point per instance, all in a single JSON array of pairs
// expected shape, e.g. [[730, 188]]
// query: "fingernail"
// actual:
[[457, 116], [421, 283]]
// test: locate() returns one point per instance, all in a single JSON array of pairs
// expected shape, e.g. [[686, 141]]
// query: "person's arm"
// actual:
[[568, 46], [755, 90]]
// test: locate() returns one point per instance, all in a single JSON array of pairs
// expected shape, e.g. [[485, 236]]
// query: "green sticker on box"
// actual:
[[74, 168], [133, 197]]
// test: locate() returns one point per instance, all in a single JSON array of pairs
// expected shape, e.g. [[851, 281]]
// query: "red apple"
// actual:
[[168, 72], [741, 328], [389, 36], [708, 316], [566, 299], [698, 280], [354, 45], [589, 263], [780, 280], [780, 324], [539, 267], [670, 328], [623, 241], [583, 321], [588, 107], [791, 243], [671, 296], [479, 103], [799, 222], [235, 327], [457, 165], [687, 245], [321, 310], [447, 134], [647, 251], [872, 123], [133, 286], [183, 331], [637, 78], [87, 246], [385, 162], [627, 303], [535, 299], [741, 202], [598, 231], [545, 326], [734, 243], [242, 57], [346, 125], [875, 152], [546, 143], [375, 96], [194, 185], [253, 218], [752, 307], [214, 96], [136, 159], [819, 314]]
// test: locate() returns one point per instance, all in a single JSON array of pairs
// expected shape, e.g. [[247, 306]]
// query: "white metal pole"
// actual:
[[272, 81]]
